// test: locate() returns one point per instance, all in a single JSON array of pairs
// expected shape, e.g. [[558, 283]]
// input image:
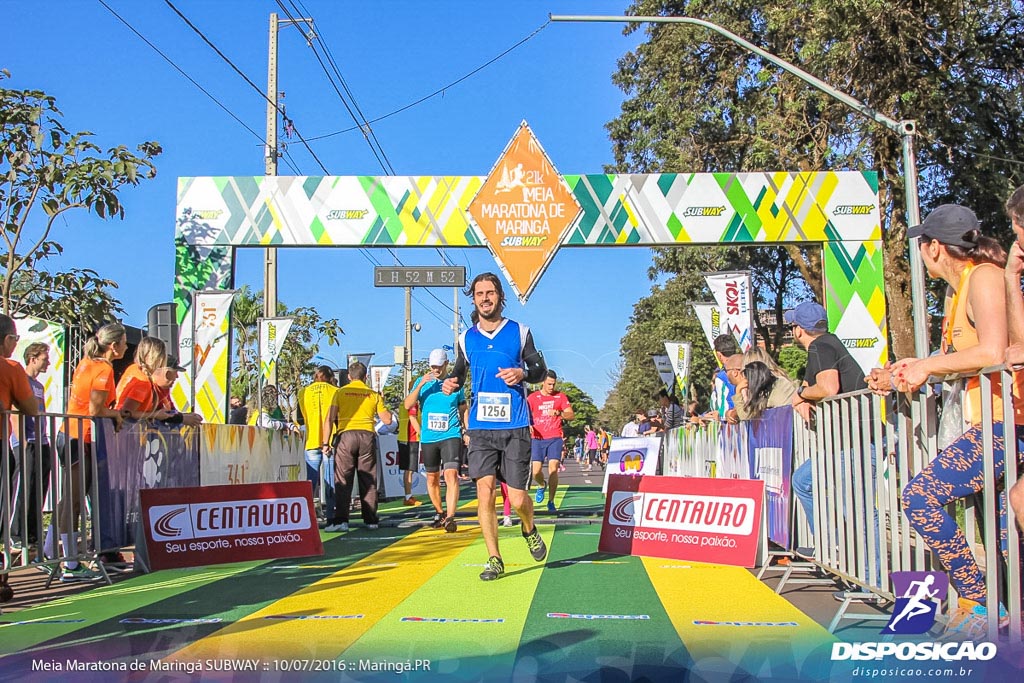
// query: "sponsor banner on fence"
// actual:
[[36, 330], [272, 333], [664, 366], [388, 473], [771, 460], [190, 527], [732, 292], [140, 456], [710, 321], [238, 454], [632, 456], [679, 356], [700, 520]]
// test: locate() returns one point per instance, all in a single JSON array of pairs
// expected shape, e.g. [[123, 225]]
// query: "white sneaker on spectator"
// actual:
[[340, 526]]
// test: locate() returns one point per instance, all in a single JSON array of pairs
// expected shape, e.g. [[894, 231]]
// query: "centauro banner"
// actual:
[[732, 292], [273, 332], [710, 321]]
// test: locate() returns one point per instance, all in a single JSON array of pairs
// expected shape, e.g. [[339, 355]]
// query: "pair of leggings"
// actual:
[[955, 473]]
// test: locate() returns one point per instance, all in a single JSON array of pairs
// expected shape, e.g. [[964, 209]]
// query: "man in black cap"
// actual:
[[831, 371]]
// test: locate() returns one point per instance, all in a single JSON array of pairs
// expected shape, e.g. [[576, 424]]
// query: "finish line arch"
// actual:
[[217, 215]]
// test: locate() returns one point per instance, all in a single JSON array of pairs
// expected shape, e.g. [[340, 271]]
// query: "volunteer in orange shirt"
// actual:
[[15, 392], [92, 393]]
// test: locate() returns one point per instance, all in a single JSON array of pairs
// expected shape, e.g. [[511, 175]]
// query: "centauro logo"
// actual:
[[228, 518], [853, 210], [703, 211], [347, 214], [860, 343]]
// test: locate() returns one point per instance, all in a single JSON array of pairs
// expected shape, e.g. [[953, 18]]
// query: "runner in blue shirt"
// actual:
[[442, 417], [502, 357]]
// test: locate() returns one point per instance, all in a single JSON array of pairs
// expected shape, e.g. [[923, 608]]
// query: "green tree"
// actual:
[[46, 174], [793, 359], [295, 364], [698, 102]]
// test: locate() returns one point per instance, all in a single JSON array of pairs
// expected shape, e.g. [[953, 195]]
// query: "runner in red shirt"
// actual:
[[548, 407]]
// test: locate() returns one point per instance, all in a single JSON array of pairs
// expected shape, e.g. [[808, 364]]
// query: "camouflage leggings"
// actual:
[[956, 473]]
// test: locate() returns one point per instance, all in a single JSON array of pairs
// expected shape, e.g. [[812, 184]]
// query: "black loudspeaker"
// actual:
[[163, 324]]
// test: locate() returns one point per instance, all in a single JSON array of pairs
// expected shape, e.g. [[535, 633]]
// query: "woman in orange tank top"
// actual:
[[974, 337]]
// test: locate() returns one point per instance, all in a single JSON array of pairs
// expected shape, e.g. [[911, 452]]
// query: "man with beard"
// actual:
[[502, 357]]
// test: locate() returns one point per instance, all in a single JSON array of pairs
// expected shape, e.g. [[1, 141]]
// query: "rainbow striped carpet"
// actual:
[[406, 600]]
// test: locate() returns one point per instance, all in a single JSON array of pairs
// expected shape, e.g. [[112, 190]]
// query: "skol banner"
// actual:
[[679, 356], [203, 350], [379, 376], [36, 330], [140, 456], [710, 321], [732, 292], [273, 332], [632, 455], [664, 367], [236, 454], [389, 476]]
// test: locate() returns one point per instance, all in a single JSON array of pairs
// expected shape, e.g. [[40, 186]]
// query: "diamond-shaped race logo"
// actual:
[[524, 210]]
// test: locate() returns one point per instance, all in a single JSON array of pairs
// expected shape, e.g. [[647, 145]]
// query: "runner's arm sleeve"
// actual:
[[533, 361], [461, 368]]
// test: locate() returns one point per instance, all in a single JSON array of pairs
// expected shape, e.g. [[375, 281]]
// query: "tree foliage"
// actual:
[[47, 173], [295, 364], [696, 101]]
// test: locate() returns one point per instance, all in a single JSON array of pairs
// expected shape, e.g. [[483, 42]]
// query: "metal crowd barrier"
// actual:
[[865, 449], [37, 497]]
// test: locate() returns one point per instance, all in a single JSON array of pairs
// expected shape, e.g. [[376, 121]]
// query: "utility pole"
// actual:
[[270, 169], [407, 365], [270, 159], [455, 346]]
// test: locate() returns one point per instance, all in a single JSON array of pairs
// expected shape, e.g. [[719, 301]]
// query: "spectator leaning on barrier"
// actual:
[[974, 337], [15, 392], [354, 408], [758, 389], [1015, 312], [37, 360], [92, 394], [722, 389], [631, 428], [831, 371]]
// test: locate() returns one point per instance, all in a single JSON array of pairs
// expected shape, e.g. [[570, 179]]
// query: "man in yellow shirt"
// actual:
[[314, 402], [353, 409]]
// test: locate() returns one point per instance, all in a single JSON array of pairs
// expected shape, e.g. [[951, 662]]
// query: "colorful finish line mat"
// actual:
[[408, 601]]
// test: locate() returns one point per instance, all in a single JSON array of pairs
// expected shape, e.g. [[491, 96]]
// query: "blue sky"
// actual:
[[108, 81]]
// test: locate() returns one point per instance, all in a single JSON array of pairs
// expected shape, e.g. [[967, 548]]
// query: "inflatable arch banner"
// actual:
[[525, 211]]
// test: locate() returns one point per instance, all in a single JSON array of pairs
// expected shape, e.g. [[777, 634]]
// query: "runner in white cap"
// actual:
[[442, 420]]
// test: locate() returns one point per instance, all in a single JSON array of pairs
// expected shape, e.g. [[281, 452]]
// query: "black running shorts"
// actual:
[[503, 453], [441, 455]]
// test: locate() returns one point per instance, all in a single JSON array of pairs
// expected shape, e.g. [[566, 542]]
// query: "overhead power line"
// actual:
[[249, 81]]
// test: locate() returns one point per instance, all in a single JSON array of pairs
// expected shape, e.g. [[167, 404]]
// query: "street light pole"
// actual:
[[906, 129]]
